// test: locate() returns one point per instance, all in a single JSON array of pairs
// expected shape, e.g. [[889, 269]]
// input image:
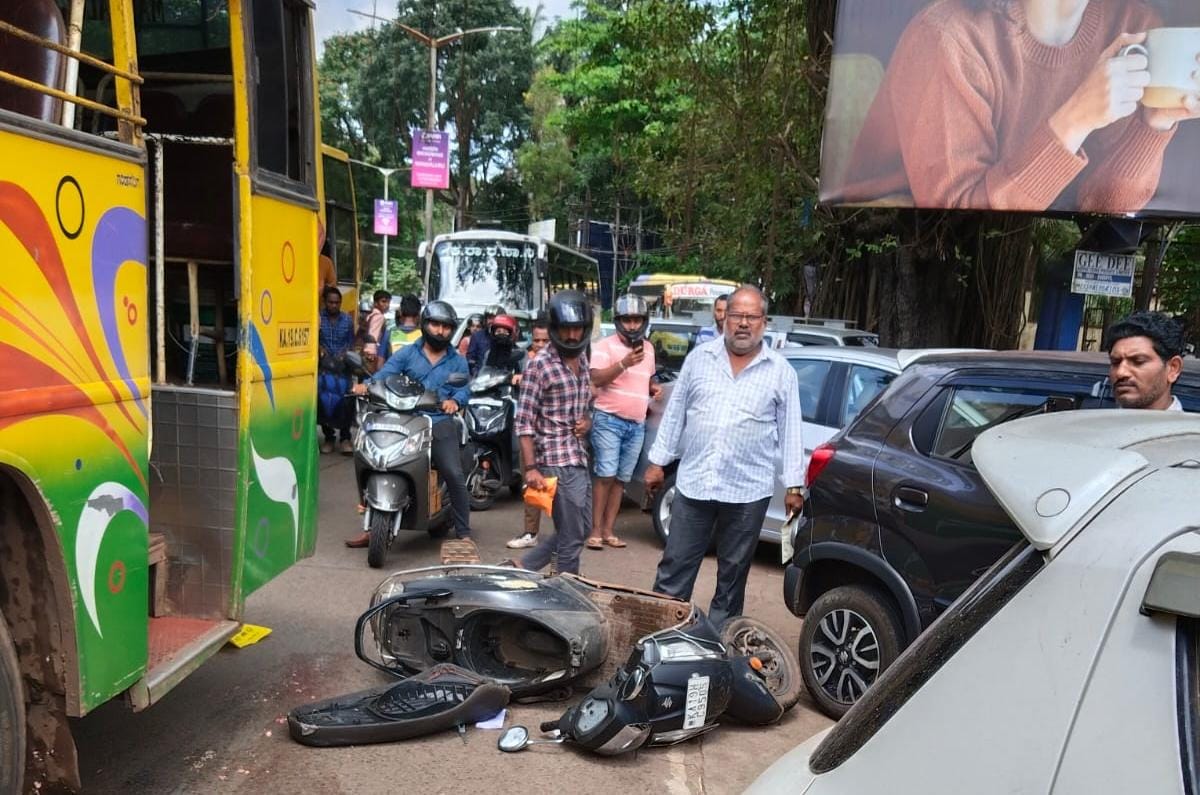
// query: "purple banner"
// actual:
[[386, 221], [430, 159]]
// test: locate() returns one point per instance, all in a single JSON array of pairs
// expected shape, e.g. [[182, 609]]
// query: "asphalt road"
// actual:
[[224, 728]]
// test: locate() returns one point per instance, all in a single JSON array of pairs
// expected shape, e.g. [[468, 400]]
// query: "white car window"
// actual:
[[863, 384], [811, 373]]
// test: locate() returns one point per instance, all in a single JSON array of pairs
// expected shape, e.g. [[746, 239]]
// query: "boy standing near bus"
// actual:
[[376, 322]]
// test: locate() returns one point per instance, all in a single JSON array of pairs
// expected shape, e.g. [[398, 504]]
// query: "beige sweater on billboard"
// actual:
[[962, 117]]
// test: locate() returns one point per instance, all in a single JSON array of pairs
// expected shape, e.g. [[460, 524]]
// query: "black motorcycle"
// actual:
[[491, 426]]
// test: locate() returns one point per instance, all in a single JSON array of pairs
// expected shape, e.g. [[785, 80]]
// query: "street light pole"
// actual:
[[387, 173], [434, 44]]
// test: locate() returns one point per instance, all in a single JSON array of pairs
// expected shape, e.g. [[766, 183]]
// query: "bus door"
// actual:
[[277, 237], [341, 223]]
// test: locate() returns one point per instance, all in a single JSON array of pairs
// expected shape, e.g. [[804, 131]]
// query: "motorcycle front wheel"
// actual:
[[481, 497], [380, 529]]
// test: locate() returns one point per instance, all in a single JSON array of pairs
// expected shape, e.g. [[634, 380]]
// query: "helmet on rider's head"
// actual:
[[504, 326], [495, 310], [569, 309], [438, 312], [630, 307]]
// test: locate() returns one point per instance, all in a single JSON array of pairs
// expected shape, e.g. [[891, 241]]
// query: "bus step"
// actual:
[[177, 646]]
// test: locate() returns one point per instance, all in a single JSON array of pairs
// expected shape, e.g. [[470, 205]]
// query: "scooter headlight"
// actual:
[[416, 442], [485, 418]]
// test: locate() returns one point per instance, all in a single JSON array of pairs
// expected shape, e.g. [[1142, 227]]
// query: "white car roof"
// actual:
[[1053, 472]]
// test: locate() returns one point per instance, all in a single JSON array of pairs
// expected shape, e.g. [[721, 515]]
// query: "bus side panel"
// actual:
[[277, 490], [74, 385]]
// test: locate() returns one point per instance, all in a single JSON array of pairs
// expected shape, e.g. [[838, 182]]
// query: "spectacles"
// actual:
[[739, 317]]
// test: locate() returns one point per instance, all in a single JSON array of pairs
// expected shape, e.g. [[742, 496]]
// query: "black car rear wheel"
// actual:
[[851, 635]]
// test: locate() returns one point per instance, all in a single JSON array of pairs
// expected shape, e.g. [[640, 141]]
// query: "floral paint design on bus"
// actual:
[[74, 387]]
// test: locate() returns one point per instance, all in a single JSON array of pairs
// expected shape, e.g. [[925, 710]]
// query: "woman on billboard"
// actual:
[[1024, 105]]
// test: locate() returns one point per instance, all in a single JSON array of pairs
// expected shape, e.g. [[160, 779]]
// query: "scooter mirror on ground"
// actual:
[[513, 740]]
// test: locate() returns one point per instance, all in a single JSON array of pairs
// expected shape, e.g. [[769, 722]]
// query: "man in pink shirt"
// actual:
[[622, 367]]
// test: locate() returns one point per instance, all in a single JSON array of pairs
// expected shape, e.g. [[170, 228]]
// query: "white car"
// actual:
[[1072, 666]]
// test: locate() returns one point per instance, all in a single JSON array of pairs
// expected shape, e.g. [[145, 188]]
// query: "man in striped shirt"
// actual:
[[553, 418], [732, 422]]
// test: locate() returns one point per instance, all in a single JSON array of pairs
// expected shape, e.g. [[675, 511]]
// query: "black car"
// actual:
[[898, 521]]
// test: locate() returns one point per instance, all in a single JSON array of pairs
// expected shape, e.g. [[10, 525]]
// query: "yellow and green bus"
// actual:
[[161, 211]]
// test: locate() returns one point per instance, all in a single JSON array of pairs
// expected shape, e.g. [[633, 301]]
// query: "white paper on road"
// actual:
[[494, 722]]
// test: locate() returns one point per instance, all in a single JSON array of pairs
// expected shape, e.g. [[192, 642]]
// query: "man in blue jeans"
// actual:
[[733, 419], [622, 367]]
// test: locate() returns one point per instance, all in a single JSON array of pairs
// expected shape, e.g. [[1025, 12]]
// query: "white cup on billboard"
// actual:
[[1172, 55]]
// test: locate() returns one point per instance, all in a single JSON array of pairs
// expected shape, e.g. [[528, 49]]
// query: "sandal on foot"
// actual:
[[615, 542], [594, 543]]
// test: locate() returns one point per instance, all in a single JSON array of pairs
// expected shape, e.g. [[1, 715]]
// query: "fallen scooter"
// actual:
[[676, 685], [540, 636]]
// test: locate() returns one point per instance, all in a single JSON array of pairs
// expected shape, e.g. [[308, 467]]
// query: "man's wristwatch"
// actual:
[[798, 491]]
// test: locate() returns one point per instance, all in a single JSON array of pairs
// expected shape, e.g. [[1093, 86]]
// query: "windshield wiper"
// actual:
[[1044, 407]]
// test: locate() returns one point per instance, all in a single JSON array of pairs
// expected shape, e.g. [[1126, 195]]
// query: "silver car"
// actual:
[[836, 382]]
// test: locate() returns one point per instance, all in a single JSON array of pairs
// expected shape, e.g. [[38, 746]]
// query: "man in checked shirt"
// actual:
[[732, 421], [553, 418]]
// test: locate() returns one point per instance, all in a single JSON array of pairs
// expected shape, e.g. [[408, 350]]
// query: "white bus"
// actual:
[[475, 269]]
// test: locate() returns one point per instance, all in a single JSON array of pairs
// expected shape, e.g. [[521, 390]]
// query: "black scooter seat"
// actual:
[[443, 697]]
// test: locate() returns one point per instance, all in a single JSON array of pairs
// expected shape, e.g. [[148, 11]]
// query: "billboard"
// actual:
[[430, 159], [386, 218], [1027, 105]]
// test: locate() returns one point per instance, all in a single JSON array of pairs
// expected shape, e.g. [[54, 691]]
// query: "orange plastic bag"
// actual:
[[542, 498]]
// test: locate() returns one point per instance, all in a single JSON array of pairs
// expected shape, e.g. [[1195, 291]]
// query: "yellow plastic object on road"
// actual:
[[248, 635]]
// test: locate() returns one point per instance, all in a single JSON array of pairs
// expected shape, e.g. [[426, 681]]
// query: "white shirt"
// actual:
[[1175, 404], [731, 434]]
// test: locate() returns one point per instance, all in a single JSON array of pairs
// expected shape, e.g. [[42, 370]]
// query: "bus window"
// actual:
[[283, 93], [487, 272]]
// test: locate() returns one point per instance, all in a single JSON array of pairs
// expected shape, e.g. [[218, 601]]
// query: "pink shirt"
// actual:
[[627, 395], [375, 323]]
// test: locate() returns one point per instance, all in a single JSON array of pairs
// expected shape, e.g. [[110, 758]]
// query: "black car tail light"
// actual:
[[820, 459]]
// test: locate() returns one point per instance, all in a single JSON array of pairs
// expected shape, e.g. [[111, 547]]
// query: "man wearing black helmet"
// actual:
[[481, 341], [622, 372], [553, 419], [432, 363]]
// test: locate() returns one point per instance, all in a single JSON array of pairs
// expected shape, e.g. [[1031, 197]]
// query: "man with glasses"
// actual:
[[732, 421]]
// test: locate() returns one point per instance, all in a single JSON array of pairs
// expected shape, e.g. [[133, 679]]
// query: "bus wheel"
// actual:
[[12, 716]]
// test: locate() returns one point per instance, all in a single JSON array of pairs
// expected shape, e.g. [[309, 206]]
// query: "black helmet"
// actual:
[[495, 310], [631, 306], [441, 312], [569, 309]]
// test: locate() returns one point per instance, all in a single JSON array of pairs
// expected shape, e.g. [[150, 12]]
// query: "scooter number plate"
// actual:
[[696, 708]]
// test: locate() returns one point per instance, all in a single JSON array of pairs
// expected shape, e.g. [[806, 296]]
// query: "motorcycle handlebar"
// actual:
[[549, 725]]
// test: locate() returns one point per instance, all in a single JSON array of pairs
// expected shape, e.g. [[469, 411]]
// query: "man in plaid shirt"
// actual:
[[553, 418]]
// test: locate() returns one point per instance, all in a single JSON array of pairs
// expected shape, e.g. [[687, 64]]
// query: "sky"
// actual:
[[333, 16]]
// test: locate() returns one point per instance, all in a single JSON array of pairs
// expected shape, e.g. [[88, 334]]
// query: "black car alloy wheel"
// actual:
[[845, 655]]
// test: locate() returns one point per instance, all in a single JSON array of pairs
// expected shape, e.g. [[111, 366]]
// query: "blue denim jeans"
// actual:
[[616, 445], [737, 526]]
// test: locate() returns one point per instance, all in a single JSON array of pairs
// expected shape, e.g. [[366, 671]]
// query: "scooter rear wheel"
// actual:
[[380, 529]]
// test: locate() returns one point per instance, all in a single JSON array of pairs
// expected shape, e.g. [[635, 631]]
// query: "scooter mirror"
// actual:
[[513, 740], [458, 379]]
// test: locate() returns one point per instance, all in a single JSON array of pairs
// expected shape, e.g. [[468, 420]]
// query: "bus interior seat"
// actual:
[[33, 61], [164, 112], [199, 203]]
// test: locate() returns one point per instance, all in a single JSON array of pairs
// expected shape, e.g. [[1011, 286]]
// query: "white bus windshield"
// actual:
[[482, 272]]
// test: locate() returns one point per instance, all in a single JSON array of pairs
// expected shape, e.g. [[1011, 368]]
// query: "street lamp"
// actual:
[[387, 173], [434, 44]]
